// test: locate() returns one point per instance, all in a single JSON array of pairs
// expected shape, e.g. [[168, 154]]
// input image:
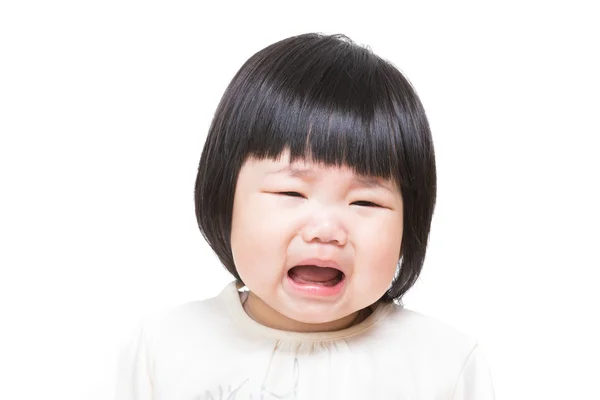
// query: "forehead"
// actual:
[[310, 171]]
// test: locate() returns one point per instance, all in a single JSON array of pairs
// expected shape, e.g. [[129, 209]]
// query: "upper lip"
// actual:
[[321, 263]]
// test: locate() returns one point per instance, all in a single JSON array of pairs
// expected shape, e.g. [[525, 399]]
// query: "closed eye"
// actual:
[[365, 203], [291, 194]]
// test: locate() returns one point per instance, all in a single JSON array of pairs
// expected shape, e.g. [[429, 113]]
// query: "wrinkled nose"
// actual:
[[324, 227]]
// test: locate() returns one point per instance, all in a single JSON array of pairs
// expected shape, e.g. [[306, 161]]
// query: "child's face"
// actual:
[[286, 215]]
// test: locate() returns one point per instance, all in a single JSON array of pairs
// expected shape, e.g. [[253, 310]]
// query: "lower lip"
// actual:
[[316, 290]]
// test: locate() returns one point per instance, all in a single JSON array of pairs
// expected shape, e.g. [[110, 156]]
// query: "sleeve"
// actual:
[[474, 381], [134, 380]]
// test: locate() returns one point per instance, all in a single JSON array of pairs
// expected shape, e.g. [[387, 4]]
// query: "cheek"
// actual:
[[378, 252], [258, 220], [259, 239], [382, 235]]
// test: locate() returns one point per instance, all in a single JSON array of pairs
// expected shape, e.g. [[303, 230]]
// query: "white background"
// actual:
[[104, 107]]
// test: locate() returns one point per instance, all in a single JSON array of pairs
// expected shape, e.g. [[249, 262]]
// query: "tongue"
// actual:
[[314, 274]]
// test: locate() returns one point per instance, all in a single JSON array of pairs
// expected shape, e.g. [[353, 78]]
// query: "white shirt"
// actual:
[[212, 349]]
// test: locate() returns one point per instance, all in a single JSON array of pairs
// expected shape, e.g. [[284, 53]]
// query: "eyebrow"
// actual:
[[309, 174]]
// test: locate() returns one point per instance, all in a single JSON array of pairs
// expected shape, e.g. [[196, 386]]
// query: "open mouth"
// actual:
[[315, 275]]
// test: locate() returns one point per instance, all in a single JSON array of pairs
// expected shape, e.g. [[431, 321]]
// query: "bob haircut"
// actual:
[[325, 99]]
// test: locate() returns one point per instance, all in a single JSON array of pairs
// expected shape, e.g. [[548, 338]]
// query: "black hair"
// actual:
[[324, 98]]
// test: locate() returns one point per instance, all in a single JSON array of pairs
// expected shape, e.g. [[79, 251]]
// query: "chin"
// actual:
[[313, 317]]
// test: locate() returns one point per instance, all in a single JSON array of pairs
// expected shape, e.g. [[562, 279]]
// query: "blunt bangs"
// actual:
[[327, 100]]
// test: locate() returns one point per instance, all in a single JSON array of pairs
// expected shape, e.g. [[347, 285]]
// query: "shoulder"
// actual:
[[410, 334], [421, 347], [200, 319], [425, 329], [440, 360], [181, 343]]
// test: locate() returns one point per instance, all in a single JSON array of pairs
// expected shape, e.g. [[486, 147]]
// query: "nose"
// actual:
[[324, 227]]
